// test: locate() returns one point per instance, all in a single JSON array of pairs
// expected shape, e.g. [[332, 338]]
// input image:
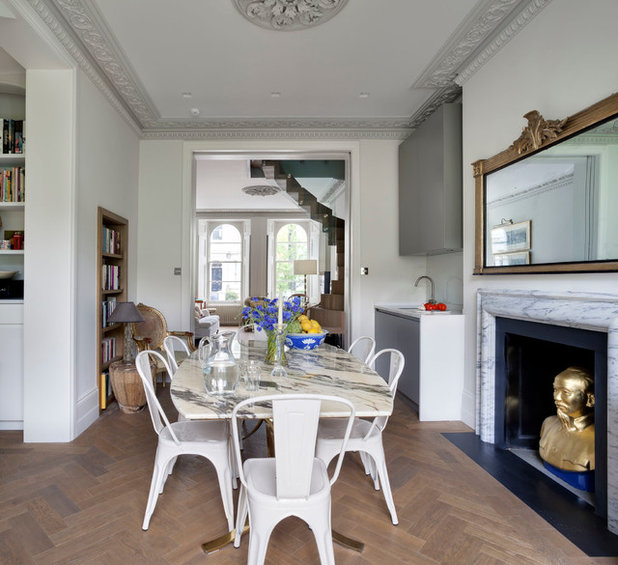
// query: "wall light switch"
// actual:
[[177, 271], [364, 270]]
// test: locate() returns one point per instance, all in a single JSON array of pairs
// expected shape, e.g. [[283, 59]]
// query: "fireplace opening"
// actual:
[[529, 355]]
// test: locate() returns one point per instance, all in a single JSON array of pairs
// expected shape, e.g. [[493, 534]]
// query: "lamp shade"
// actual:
[[125, 312], [306, 267]]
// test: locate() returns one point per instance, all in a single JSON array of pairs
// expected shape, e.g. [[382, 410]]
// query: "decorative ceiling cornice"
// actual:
[[443, 96], [247, 134], [501, 38], [54, 21], [81, 30], [493, 24], [477, 27], [289, 15]]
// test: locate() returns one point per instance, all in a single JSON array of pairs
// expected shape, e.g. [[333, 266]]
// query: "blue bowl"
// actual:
[[305, 341]]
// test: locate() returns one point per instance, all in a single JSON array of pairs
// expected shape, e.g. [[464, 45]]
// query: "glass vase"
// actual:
[[271, 348]]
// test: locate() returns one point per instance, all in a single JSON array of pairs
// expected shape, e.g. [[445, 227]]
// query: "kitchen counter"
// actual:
[[432, 344], [413, 310]]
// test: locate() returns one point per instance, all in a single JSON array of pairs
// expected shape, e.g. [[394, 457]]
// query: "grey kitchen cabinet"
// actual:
[[433, 346], [430, 185], [401, 333]]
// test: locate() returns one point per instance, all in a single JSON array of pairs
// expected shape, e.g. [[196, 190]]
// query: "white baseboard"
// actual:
[[86, 411], [11, 424], [468, 409]]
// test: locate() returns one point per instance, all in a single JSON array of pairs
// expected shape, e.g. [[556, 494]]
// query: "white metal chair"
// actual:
[[207, 439], [363, 347], [176, 351], [294, 482], [366, 436]]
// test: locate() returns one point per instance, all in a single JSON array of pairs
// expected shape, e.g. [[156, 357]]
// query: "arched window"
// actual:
[[291, 243], [224, 266]]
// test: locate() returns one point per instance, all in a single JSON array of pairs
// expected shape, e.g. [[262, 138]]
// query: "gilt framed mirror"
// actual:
[[549, 203]]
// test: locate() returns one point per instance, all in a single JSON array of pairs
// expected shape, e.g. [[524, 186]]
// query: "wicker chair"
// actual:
[[150, 334]]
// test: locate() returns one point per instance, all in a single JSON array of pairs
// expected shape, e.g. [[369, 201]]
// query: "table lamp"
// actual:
[[125, 313], [306, 267]]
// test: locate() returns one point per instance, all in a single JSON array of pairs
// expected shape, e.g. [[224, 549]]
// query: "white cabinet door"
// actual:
[[11, 376]]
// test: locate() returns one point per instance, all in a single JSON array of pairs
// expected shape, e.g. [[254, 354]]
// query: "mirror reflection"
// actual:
[[557, 206]]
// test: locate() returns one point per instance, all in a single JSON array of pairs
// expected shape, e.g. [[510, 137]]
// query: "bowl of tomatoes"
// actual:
[[435, 306]]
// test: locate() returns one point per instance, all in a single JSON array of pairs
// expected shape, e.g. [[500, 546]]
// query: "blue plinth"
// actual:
[[583, 480]]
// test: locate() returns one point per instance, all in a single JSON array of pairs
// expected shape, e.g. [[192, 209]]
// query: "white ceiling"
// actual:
[[403, 54]]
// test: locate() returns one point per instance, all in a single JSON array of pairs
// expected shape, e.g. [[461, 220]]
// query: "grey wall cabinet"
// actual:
[[430, 185]]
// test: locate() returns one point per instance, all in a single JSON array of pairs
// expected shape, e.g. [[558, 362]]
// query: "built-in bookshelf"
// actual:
[[112, 236], [12, 181]]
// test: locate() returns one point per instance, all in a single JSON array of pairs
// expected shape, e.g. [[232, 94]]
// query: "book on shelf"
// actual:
[[108, 349], [105, 390], [12, 136], [110, 277], [111, 241], [12, 184], [107, 309]]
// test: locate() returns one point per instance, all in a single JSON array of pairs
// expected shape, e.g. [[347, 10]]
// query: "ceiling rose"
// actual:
[[289, 15], [260, 190]]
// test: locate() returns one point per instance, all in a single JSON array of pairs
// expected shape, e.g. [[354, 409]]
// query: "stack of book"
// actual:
[[12, 136], [111, 241], [110, 277], [12, 184], [108, 307], [108, 349]]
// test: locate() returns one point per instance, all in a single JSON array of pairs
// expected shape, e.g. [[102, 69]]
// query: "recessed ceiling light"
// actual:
[[195, 111], [276, 94], [364, 95], [186, 95]]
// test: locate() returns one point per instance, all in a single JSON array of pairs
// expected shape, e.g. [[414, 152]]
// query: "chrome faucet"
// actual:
[[432, 300]]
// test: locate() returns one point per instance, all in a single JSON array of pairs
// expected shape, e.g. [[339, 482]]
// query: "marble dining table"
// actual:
[[325, 370]]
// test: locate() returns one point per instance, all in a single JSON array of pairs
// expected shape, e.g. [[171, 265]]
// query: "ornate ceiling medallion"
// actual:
[[289, 15], [260, 190]]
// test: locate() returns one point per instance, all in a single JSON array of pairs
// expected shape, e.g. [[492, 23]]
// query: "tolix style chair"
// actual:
[[188, 437], [366, 436], [294, 482]]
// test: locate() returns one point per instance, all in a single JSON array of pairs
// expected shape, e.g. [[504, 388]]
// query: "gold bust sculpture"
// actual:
[[567, 439]]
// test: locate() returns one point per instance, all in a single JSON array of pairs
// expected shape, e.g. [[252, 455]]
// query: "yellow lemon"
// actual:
[[315, 331], [306, 325], [302, 317], [316, 325]]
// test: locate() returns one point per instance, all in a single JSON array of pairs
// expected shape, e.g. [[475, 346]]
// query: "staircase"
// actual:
[[330, 311]]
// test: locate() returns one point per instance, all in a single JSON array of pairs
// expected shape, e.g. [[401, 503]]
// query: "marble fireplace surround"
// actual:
[[589, 311]]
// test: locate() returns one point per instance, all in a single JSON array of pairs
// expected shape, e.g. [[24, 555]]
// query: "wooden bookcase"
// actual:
[[112, 232]]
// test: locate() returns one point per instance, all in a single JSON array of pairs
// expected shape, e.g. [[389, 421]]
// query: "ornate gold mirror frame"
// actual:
[[538, 135]]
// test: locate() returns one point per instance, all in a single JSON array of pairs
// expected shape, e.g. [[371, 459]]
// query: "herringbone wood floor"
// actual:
[[83, 503]]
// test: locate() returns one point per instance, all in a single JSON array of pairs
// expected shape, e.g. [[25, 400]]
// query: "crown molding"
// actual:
[[247, 134], [49, 15], [448, 94], [83, 33], [473, 31], [501, 38]]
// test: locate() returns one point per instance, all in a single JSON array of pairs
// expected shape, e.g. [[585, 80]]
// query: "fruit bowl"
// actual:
[[305, 341]]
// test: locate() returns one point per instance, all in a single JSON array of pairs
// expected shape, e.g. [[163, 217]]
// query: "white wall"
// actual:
[[49, 283], [560, 63], [160, 236], [376, 242], [166, 239], [106, 175]]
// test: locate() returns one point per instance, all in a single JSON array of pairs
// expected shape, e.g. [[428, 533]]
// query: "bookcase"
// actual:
[[12, 181], [111, 289]]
